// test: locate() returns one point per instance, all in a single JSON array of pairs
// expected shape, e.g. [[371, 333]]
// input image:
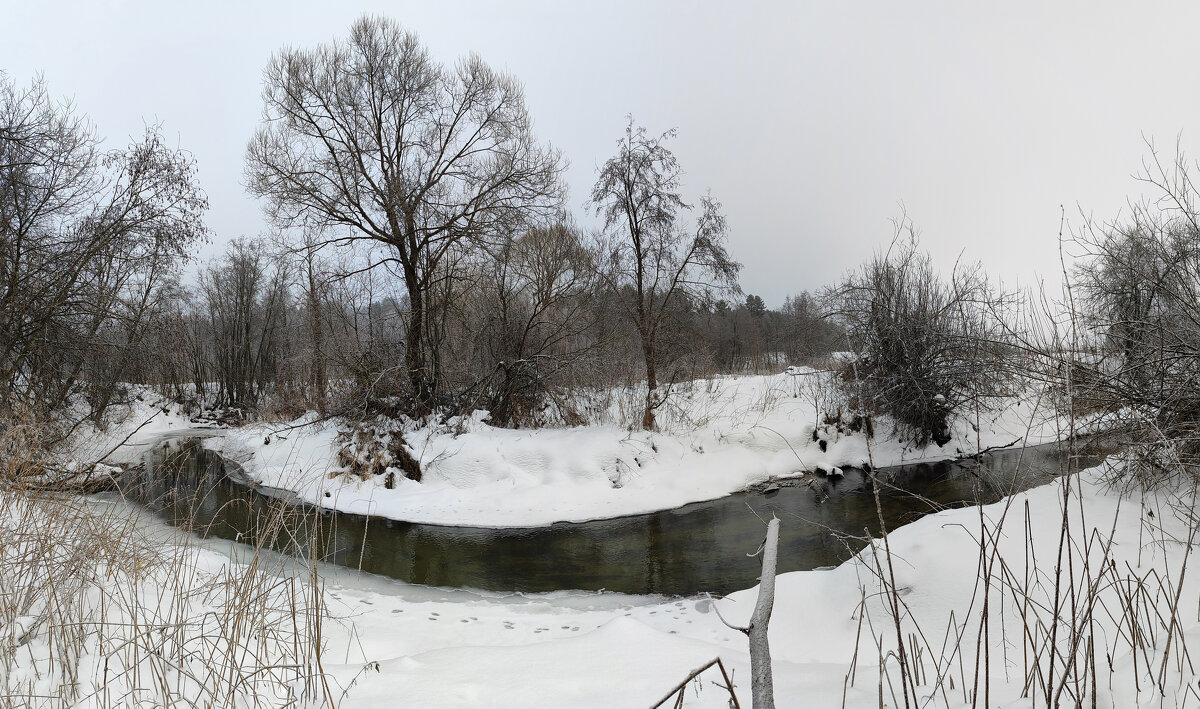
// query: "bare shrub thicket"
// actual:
[[525, 330], [1137, 284], [925, 347]]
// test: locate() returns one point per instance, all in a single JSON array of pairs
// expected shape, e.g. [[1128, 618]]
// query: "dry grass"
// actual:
[[93, 612], [1071, 622]]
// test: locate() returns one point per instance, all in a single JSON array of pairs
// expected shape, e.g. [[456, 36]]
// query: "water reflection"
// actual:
[[700, 547]]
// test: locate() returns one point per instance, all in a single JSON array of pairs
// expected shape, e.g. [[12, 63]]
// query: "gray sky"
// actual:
[[812, 122]]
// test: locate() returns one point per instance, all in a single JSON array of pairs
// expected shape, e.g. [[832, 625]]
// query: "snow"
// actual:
[[126, 432], [541, 652], [390, 643], [718, 436], [387, 643]]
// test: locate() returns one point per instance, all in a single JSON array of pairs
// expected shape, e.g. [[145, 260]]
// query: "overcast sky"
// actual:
[[812, 122]]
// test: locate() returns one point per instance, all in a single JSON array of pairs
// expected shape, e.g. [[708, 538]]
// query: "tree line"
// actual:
[[421, 258]]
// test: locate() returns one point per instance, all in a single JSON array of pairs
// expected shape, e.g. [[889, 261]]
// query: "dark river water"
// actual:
[[692, 549]]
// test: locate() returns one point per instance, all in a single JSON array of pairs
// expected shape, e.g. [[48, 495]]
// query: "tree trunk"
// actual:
[[414, 354], [651, 386], [319, 380], [761, 683]]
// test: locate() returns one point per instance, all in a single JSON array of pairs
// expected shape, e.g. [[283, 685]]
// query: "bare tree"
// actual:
[[85, 239], [1138, 288], [312, 277], [807, 332], [245, 296], [536, 313], [647, 256], [371, 138], [314, 302]]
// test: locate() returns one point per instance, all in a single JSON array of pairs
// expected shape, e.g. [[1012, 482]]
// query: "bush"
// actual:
[[925, 348], [1139, 300]]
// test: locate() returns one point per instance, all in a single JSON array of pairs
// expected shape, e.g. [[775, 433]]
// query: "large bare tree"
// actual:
[[372, 139], [649, 258]]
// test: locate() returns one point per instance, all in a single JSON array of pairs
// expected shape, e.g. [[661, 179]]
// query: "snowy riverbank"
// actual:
[[557, 651], [389, 642], [1113, 598], [719, 437]]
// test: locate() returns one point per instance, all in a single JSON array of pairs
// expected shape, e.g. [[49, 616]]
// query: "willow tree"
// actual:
[[372, 140], [651, 257]]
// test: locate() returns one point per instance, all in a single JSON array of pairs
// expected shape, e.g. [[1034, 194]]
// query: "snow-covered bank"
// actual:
[[95, 451], [718, 437], [540, 652], [389, 643]]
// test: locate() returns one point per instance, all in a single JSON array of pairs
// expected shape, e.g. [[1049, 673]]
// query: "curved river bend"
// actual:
[[692, 549]]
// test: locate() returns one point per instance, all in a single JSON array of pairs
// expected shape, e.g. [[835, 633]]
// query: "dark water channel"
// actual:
[[696, 548]]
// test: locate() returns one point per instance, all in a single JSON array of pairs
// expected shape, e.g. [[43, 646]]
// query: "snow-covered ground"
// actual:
[[128, 430], [717, 436], [556, 651]]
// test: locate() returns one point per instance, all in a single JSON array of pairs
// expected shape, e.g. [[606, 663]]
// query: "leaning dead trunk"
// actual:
[[761, 684]]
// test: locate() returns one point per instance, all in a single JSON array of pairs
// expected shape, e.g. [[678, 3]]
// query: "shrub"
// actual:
[[925, 348]]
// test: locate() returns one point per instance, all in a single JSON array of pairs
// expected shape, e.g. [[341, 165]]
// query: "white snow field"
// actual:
[[717, 437]]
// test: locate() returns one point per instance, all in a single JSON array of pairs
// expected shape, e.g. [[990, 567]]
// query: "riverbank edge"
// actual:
[[735, 435]]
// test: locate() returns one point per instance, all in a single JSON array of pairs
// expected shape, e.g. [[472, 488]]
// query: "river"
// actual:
[[701, 547]]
